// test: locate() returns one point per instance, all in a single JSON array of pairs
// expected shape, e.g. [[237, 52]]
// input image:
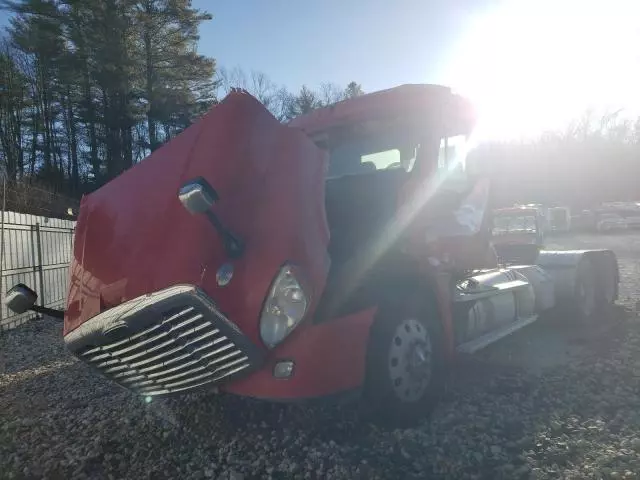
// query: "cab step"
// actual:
[[487, 339]]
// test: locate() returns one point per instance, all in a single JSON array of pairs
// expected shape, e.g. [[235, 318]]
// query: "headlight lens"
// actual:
[[284, 308]]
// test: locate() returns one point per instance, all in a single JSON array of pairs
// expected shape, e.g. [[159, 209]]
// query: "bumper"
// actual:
[[169, 341], [176, 339], [329, 358]]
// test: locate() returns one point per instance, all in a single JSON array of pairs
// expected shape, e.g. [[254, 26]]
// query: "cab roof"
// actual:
[[402, 100], [517, 209]]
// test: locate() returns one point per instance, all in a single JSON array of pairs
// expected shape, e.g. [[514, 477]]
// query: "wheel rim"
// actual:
[[410, 359]]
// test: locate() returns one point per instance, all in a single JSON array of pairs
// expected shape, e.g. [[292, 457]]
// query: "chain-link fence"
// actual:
[[34, 249]]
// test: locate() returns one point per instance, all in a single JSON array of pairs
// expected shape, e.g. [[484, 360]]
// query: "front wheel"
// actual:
[[405, 366]]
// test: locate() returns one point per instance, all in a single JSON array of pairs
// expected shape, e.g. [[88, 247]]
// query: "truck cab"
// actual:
[[348, 252]]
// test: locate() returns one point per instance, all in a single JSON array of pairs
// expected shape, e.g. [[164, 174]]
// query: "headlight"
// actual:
[[283, 309]]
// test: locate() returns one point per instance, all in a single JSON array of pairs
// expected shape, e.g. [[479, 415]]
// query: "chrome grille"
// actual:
[[187, 346]]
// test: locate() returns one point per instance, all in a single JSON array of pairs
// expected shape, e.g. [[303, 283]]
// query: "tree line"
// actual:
[[90, 87], [282, 103], [595, 159]]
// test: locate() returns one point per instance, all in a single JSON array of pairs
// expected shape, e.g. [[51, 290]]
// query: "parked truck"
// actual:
[[519, 232], [348, 251], [559, 219]]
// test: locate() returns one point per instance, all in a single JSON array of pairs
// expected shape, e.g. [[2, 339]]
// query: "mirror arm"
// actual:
[[197, 197], [52, 312], [232, 244]]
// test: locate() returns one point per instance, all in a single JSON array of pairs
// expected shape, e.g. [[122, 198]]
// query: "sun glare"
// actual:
[[536, 66]]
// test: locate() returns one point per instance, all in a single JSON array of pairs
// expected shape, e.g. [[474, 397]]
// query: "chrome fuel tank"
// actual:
[[491, 300]]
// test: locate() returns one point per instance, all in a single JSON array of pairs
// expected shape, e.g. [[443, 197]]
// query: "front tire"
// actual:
[[405, 365]]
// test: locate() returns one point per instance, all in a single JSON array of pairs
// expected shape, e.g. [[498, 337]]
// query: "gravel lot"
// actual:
[[552, 401]]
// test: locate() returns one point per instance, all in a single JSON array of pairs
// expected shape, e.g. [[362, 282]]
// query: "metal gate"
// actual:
[[36, 251]]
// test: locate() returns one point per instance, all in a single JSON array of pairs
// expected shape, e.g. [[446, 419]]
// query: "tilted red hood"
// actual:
[[134, 237]]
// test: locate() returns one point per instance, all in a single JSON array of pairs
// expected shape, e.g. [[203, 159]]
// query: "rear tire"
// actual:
[[607, 286], [586, 291], [405, 365]]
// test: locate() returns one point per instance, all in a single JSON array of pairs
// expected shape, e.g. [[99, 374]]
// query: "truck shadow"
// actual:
[[496, 393], [513, 366], [554, 341]]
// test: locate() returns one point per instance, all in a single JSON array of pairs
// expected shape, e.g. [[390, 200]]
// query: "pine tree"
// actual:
[[177, 82], [353, 90], [107, 82]]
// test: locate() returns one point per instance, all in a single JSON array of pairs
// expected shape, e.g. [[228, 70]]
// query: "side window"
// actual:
[[391, 159], [453, 154], [382, 160]]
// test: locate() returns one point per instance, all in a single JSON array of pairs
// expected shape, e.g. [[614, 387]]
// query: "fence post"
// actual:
[[2, 283], [39, 263]]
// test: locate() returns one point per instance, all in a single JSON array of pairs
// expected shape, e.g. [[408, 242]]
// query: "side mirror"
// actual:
[[197, 196], [20, 298]]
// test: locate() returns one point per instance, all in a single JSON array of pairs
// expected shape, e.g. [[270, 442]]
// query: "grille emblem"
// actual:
[[224, 274]]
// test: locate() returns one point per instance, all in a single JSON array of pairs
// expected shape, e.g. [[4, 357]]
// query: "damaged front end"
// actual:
[[165, 342], [192, 266]]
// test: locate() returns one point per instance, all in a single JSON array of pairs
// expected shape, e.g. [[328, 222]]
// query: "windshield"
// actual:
[[394, 151], [504, 224], [368, 154]]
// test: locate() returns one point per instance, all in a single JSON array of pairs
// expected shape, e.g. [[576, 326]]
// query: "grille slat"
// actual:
[[186, 355], [117, 368], [157, 376], [151, 392], [171, 318], [186, 373], [158, 336], [187, 348], [218, 350], [133, 367], [204, 375], [164, 344], [170, 341], [157, 361], [162, 377]]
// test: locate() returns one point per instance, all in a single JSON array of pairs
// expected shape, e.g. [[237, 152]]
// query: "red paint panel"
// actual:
[[134, 237], [329, 358]]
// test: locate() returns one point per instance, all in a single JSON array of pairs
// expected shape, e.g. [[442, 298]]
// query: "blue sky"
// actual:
[[374, 42], [377, 43], [529, 65]]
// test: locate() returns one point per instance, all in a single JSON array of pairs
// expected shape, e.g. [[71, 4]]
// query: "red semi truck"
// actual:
[[348, 251]]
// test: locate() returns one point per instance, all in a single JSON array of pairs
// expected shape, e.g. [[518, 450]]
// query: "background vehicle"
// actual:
[[252, 260], [633, 221], [518, 232], [559, 219], [608, 222]]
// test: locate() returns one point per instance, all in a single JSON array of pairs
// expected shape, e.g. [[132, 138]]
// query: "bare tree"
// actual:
[[229, 79], [594, 159], [330, 93], [275, 98]]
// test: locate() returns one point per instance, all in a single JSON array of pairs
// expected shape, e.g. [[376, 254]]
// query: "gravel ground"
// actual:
[[527, 408]]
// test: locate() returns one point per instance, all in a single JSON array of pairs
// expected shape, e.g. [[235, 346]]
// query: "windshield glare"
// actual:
[[394, 152], [365, 155], [514, 224]]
